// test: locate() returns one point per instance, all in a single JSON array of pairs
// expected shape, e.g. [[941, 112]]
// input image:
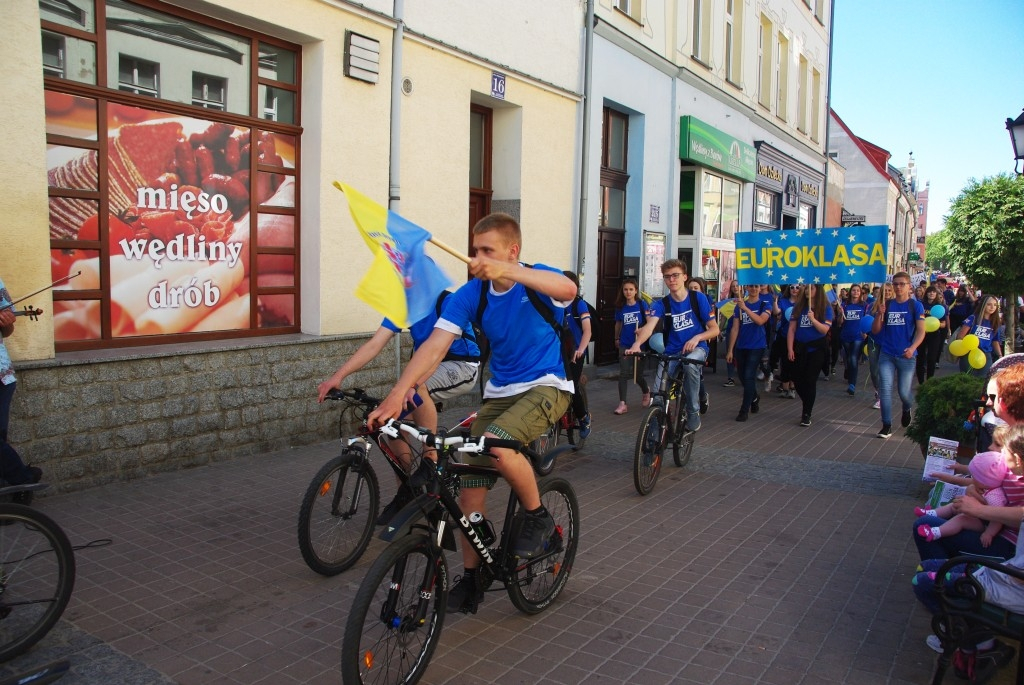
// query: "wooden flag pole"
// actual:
[[449, 249]]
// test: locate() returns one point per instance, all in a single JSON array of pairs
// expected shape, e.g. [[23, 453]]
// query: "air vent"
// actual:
[[362, 57]]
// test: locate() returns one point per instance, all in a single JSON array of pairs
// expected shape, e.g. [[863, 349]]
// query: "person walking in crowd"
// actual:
[[454, 376], [735, 293], [872, 342], [961, 307], [784, 307], [13, 470], [986, 324], [527, 391], [835, 342], [746, 345], [851, 312], [699, 285], [630, 316], [807, 345], [577, 315], [945, 290], [689, 324], [899, 325], [931, 349]]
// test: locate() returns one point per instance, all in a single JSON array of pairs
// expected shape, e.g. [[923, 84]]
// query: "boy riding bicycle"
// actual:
[[528, 390]]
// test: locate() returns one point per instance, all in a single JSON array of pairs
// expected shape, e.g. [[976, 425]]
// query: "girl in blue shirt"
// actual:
[[629, 316], [807, 346], [984, 323], [852, 312], [746, 344]]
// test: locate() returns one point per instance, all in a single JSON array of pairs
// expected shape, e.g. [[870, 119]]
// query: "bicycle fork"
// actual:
[[360, 451], [398, 618]]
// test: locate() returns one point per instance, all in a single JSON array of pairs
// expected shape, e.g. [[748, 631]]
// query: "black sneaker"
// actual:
[[742, 416], [905, 418], [466, 595], [531, 533], [987, 662], [705, 402], [402, 497], [805, 420], [755, 404], [886, 431]]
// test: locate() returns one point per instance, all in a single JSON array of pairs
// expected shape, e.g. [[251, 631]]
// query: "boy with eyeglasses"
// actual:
[[899, 327]]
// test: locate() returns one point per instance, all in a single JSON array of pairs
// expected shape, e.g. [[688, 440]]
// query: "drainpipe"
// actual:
[[394, 154], [828, 114], [588, 58]]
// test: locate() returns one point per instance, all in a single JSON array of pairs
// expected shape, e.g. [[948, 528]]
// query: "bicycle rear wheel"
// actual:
[[338, 512], [649, 450], [395, 622], [37, 574], [535, 583]]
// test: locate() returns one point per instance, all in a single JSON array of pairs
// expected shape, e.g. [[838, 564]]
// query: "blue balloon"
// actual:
[[788, 313], [865, 324], [938, 311], [657, 342]]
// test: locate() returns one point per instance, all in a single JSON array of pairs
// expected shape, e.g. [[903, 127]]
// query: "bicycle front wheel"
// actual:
[[649, 450], [395, 622], [338, 512], [535, 583], [37, 574]]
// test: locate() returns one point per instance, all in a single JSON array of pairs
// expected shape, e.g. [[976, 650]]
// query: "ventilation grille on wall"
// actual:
[[362, 57]]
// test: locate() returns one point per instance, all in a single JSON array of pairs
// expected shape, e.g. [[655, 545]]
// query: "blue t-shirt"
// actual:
[[900, 326], [525, 349], [577, 308], [751, 335], [805, 330], [464, 348], [983, 329], [853, 313], [684, 323], [784, 304], [631, 316]]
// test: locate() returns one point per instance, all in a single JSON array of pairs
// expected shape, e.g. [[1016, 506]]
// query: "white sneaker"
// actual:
[[934, 642], [877, 404], [769, 379], [760, 374]]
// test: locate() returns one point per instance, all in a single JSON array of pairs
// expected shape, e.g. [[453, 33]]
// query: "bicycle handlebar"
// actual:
[[462, 443], [669, 357], [355, 394]]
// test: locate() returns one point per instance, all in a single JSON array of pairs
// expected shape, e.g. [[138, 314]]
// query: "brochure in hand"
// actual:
[[940, 458]]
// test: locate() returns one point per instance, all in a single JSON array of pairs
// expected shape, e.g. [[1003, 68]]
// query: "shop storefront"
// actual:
[[715, 167], [173, 143], [787, 193]]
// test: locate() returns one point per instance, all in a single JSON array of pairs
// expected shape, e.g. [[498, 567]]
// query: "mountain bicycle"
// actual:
[[663, 423], [340, 506], [37, 574], [395, 621]]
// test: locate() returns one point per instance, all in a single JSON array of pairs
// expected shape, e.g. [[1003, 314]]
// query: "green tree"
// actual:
[[986, 238], [936, 251]]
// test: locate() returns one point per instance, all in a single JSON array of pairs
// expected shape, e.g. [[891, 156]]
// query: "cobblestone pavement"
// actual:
[[779, 555]]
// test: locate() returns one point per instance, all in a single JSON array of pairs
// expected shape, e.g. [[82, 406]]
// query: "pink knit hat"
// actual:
[[989, 469]]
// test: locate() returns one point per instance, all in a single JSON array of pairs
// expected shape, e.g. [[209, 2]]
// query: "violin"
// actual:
[[31, 312]]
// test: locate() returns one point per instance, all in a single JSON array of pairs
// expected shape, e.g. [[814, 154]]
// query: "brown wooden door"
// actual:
[[610, 251]]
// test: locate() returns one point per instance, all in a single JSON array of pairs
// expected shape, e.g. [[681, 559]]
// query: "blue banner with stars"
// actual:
[[812, 255]]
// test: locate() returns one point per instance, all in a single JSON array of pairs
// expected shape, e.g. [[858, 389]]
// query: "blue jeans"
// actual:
[[691, 385], [902, 370], [851, 350], [746, 363], [964, 542]]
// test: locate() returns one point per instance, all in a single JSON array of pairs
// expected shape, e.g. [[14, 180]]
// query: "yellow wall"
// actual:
[[24, 262]]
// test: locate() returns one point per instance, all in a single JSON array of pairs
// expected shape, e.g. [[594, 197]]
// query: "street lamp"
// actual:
[[1016, 129]]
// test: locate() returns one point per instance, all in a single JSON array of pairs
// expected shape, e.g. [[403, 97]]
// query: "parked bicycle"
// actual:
[[395, 621], [340, 507], [663, 424], [37, 574]]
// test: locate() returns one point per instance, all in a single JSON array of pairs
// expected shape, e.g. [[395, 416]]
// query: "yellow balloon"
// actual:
[[931, 324], [971, 340], [957, 348], [977, 359]]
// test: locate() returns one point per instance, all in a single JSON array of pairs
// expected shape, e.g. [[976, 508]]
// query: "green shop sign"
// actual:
[[706, 145]]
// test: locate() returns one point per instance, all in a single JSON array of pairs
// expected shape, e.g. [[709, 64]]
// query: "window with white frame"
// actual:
[[782, 78], [815, 105], [138, 76], [801, 96], [209, 91], [702, 30], [765, 207], [764, 63], [720, 198], [734, 41], [630, 8]]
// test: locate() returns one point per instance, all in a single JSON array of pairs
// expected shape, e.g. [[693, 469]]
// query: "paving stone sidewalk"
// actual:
[[779, 555]]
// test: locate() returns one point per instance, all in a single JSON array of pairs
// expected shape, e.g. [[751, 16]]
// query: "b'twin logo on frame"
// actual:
[[187, 200]]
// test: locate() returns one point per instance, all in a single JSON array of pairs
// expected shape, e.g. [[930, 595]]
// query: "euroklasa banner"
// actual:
[[813, 255]]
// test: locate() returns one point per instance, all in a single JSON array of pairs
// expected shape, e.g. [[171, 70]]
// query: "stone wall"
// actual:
[[92, 418]]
